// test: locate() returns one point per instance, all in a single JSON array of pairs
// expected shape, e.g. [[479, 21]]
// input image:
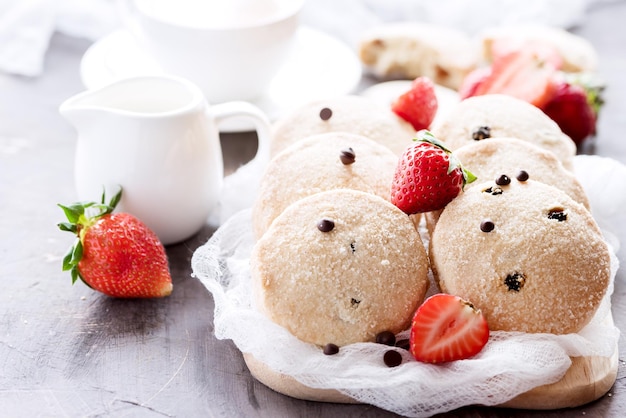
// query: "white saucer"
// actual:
[[318, 66]]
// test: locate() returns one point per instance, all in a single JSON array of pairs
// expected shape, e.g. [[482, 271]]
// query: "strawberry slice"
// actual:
[[417, 106], [428, 176], [447, 328], [526, 73], [471, 82]]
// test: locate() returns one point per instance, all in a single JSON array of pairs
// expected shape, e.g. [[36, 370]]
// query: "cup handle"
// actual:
[[262, 124]]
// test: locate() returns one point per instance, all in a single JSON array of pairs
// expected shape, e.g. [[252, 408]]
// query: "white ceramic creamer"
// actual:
[[157, 138]]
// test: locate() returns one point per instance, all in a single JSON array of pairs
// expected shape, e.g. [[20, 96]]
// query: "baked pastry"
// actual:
[[408, 50], [577, 53], [498, 115], [319, 163], [340, 267], [487, 159], [354, 114], [526, 254]]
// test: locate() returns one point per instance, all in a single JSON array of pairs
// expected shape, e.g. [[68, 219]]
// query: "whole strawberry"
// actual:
[[575, 106], [427, 176], [447, 328], [115, 253], [417, 106]]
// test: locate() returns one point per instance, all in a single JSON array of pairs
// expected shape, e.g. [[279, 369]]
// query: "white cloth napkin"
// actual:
[[26, 27]]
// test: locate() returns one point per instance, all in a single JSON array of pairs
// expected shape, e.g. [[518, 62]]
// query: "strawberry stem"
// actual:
[[427, 136], [454, 163], [80, 216], [594, 88]]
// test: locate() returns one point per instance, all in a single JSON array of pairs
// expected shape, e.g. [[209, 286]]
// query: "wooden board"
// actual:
[[587, 379]]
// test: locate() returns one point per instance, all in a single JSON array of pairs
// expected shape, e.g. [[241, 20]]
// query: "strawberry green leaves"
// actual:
[[81, 215], [115, 253], [427, 136]]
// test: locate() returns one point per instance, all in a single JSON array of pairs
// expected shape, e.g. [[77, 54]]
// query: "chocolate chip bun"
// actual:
[[340, 267], [408, 50], [577, 53], [319, 163], [487, 159], [353, 114], [498, 115], [525, 253]]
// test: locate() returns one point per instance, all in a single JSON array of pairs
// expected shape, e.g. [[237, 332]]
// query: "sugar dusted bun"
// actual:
[[340, 267], [409, 50], [488, 159], [353, 114], [499, 115], [526, 254], [319, 163]]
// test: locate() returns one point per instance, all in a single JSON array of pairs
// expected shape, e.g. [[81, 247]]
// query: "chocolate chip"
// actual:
[[325, 225], [354, 302], [487, 226], [482, 132], [330, 349], [326, 113], [386, 338], [522, 175], [404, 343], [515, 281], [503, 180], [392, 358], [558, 214], [353, 247], [493, 190], [347, 156]]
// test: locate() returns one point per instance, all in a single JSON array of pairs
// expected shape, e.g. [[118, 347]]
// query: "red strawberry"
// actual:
[[472, 81], [526, 73], [427, 176], [447, 328], [417, 106], [575, 107], [115, 254]]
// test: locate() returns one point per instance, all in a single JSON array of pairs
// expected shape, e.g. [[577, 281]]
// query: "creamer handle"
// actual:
[[261, 122]]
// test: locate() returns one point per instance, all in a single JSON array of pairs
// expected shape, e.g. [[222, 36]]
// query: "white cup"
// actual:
[[231, 49]]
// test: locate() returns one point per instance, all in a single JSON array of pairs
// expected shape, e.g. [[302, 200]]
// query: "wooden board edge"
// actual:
[[587, 379], [289, 386]]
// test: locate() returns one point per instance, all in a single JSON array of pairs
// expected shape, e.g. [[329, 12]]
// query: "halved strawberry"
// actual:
[[418, 106], [428, 176], [526, 73], [471, 82], [447, 328]]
